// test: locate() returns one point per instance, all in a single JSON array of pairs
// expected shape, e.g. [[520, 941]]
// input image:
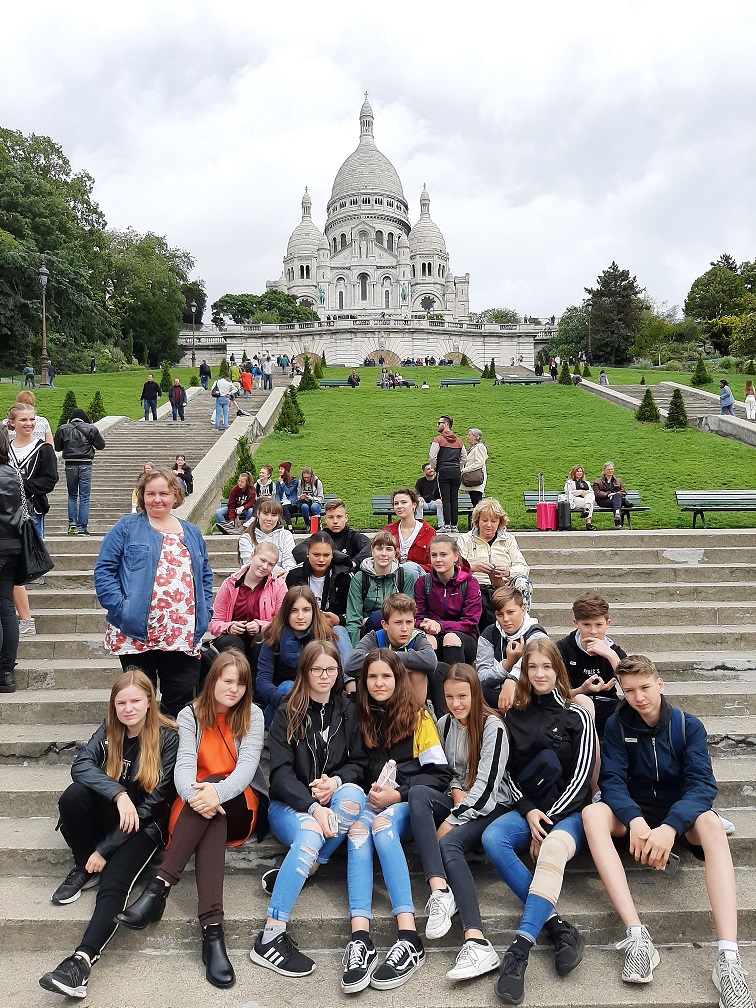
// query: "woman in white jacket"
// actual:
[[580, 495], [267, 526], [477, 456]]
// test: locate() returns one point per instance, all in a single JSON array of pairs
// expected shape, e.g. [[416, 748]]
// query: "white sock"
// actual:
[[272, 931], [728, 946], [635, 929]]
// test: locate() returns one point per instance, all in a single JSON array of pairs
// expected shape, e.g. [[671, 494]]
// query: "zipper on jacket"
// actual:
[[656, 761]]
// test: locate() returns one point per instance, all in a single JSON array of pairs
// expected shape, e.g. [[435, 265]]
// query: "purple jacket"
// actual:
[[445, 602]]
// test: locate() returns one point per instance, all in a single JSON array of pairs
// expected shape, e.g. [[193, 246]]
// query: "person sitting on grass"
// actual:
[[329, 579], [501, 646], [657, 788], [413, 535], [380, 576]]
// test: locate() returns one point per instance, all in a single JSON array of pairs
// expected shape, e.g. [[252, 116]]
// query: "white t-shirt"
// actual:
[[316, 587], [21, 453], [405, 545]]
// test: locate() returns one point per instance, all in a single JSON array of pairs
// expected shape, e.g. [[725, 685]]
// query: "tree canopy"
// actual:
[[615, 304], [271, 307]]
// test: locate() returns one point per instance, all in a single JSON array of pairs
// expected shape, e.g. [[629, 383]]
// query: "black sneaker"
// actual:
[[281, 955], [269, 880], [568, 942], [77, 880], [360, 960], [69, 978], [510, 987], [401, 961]]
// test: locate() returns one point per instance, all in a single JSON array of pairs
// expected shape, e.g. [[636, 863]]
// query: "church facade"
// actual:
[[369, 260]]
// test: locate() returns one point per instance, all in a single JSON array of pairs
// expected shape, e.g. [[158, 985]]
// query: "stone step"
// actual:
[[672, 614], [182, 969], [674, 910], [66, 673], [556, 575], [649, 592], [56, 743]]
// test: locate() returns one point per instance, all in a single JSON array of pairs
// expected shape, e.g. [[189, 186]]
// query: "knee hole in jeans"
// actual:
[[452, 640], [381, 823]]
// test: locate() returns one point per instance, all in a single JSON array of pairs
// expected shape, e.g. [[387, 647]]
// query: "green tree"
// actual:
[[278, 306], [193, 291], [615, 304], [96, 408], [655, 330], [194, 380], [648, 411], [497, 316], [464, 360], [485, 372], [743, 342], [287, 421], [224, 370], [576, 370], [701, 376], [587, 372], [564, 375], [292, 394], [166, 380], [69, 405], [572, 332], [308, 382], [323, 360], [677, 418], [717, 293], [318, 369], [244, 463], [492, 370], [727, 262]]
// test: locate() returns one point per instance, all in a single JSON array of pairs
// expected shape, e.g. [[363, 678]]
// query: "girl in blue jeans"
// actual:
[[552, 747], [396, 727], [317, 764]]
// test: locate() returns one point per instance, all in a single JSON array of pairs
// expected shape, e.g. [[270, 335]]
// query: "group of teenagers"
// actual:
[[444, 713], [296, 494]]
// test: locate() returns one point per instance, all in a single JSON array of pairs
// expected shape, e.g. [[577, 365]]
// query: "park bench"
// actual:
[[459, 381], [381, 505], [700, 501], [530, 500], [521, 380], [334, 383]]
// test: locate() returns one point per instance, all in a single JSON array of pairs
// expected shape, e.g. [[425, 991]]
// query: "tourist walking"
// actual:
[[749, 395], [78, 440], [205, 374], [267, 373], [177, 399], [10, 551], [726, 398], [149, 398]]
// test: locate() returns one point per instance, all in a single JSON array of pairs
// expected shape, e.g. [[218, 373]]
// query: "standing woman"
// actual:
[[42, 428], [726, 398], [310, 499], [448, 455], [552, 748], [114, 816], [267, 526], [474, 471], [287, 491], [395, 726], [317, 764], [413, 535], [154, 580], [222, 800], [581, 496], [36, 461], [10, 550], [749, 395]]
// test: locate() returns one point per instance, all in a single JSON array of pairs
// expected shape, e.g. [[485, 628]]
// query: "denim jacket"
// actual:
[[124, 575]]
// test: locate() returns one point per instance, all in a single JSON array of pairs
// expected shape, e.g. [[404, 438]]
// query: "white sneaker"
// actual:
[[727, 825], [440, 909], [641, 958], [728, 977], [27, 627], [474, 959]]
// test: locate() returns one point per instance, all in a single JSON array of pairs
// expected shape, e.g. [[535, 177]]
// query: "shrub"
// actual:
[[701, 375], [492, 370], [223, 370], [564, 375], [576, 370], [69, 405], [318, 368], [677, 418], [484, 372], [726, 364], [587, 372], [292, 394], [748, 368], [648, 411], [244, 463], [194, 380], [323, 360], [244, 357], [287, 422], [673, 365], [96, 409], [643, 380], [166, 381], [308, 381], [464, 361]]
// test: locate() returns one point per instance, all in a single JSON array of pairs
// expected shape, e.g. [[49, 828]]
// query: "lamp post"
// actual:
[[193, 308], [588, 308], [44, 274]]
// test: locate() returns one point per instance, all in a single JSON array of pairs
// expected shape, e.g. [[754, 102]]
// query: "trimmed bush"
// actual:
[[701, 375], [194, 380], [643, 380], [166, 381], [648, 411], [323, 360], [484, 372], [677, 418], [244, 463], [224, 372], [308, 382], [587, 372], [292, 394], [96, 409], [318, 368], [576, 370], [69, 405], [464, 361], [287, 422], [565, 378], [492, 370]]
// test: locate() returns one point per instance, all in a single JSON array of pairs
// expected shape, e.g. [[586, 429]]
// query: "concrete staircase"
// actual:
[[685, 598], [697, 404]]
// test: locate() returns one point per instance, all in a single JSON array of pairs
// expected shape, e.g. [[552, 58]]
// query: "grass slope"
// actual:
[[366, 441]]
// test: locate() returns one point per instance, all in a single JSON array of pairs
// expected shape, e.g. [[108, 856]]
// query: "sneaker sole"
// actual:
[[49, 983], [261, 961], [395, 981], [655, 960], [360, 985], [481, 971], [90, 884]]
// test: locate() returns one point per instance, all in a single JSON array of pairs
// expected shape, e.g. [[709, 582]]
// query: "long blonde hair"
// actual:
[[148, 774]]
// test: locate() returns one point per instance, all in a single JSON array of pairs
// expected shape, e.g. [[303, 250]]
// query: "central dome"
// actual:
[[366, 169]]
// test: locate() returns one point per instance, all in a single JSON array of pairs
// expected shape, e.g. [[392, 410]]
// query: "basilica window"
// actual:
[[390, 242], [386, 299], [343, 240], [379, 237], [413, 272], [342, 205], [334, 246], [307, 272], [363, 286], [379, 201], [427, 304], [422, 269], [301, 272], [390, 203], [366, 201], [354, 201], [341, 300]]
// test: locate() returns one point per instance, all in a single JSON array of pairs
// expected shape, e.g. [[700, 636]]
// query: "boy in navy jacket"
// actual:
[[657, 785]]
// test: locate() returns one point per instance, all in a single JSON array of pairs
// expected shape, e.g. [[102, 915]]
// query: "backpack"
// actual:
[[381, 640], [428, 583], [366, 583]]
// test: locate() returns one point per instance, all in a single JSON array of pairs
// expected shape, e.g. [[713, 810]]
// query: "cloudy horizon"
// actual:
[[552, 140]]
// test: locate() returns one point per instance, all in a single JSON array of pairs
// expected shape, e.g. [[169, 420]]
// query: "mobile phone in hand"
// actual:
[[672, 866]]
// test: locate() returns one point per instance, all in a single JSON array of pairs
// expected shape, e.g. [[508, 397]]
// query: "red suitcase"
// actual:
[[546, 514]]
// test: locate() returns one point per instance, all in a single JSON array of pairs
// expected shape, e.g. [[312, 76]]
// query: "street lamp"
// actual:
[[588, 308], [193, 307], [44, 274]]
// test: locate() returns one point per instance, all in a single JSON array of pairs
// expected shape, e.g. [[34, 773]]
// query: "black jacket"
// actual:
[[548, 724], [582, 666], [40, 472], [338, 577], [204, 371], [293, 765], [409, 770], [10, 510], [153, 808], [347, 544], [150, 390], [78, 441]]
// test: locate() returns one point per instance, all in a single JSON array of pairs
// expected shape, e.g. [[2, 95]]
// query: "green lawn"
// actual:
[[120, 392], [366, 441], [632, 376]]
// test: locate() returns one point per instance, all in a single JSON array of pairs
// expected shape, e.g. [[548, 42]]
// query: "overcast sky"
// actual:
[[553, 137]]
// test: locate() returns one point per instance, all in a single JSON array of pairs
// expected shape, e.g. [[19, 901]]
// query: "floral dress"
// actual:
[[171, 621]]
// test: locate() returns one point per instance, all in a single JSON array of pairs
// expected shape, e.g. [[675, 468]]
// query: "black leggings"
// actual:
[[450, 500], [178, 673], [8, 618], [455, 846], [86, 818]]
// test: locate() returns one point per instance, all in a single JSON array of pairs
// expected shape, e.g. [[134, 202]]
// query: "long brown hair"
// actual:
[[321, 628], [238, 716], [476, 719], [523, 690], [148, 774], [266, 505], [298, 699], [394, 720]]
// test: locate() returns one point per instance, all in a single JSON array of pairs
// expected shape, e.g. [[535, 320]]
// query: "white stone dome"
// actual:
[[366, 170], [426, 235], [306, 238]]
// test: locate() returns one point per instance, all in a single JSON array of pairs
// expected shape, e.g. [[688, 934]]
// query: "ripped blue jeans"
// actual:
[[301, 834], [382, 831]]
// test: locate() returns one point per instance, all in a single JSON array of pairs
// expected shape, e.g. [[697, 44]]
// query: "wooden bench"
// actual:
[[521, 380], [459, 381], [381, 505], [227, 528], [530, 500], [700, 501], [334, 383]]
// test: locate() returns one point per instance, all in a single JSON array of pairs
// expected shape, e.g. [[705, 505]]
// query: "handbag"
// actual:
[[215, 391], [473, 478], [34, 561], [541, 780]]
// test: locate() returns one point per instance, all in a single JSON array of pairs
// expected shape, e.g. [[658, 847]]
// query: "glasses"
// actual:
[[320, 672]]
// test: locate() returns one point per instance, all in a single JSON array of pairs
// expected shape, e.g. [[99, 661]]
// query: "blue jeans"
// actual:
[[177, 410], [343, 643], [203, 381], [306, 509], [79, 484], [430, 507], [221, 514], [267, 381], [39, 523], [387, 841], [416, 569], [150, 406], [221, 412], [301, 834]]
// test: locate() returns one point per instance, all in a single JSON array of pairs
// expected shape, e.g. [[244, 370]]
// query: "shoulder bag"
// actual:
[[34, 561]]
